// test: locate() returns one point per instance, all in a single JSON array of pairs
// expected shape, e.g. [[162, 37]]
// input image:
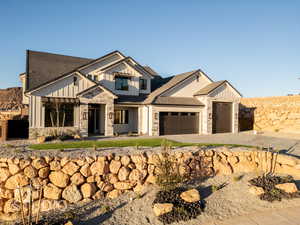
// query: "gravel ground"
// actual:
[[232, 200]]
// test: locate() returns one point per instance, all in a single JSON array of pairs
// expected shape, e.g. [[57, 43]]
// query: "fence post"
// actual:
[[4, 130]]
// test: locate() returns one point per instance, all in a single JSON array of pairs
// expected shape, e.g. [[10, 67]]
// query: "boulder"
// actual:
[[30, 172], [85, 170], [71, 194], [256, 190], [139, 188], [162, 208], [124, 185], [100, 167], [4, 174], [64, 161], [59, 179], [16, 181], [287, 187], [41, 140], [125, 160], [151, 179], [287, 160], [190, 196], [70, 168], [138, 159], [39, 163], [5, 193], [98, 195], [113, 194], [88, 190], [44, 172], [24, 163], [52, 192], [135, 175], [106, 187], [90, 179], [77, 179], [112, 178], [114, 166], [13, 168], [11, 206], [222, 167], [123, 173], [55, 165]]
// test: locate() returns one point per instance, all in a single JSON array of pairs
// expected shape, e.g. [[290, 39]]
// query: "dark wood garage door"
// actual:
[[178, 123], [222, 117]]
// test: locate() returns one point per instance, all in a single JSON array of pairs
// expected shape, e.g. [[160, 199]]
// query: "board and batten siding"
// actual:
[[64, 88], [225, 92]]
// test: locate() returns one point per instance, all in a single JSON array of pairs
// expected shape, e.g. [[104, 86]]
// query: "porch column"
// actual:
[[235, 116], [109, 119], [83, 121]]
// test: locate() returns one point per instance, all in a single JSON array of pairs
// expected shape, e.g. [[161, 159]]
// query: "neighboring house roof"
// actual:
[[11, 99], [127, 99], [171, 83], [213, 86], [44, 67], [187, 101]]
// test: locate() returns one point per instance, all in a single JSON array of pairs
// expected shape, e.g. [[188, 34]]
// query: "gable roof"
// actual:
[[187, 101], [213, 86], [150, 70], [96, 86], [171, 83], [130, 99]]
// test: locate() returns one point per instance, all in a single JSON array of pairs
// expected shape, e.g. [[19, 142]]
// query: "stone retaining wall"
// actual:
[[73, 180], [276, 114]]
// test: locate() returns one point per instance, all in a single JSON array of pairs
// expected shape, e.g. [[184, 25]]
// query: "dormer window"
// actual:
[[121, 83], [143, 84]]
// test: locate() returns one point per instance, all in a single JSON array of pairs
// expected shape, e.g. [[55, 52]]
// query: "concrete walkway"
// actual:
[[287, 216], [286, 143]]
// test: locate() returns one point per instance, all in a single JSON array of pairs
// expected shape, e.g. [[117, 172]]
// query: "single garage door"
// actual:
[[178, 123], [222, 117]]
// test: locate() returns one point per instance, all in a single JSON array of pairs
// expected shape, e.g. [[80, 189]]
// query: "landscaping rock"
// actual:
[[90, 179], [15, 181], [30, 172], [39, 163], [72, 194], [13, 168], [41, 140], [190, 196], [59, 179], [99, 167], [44, 172], [125, 160], [107, 187], [52, 192], [98, 195], [135, 175], [88, 190], [11, 206], [256, 190], [77, 179], [124, 185], [287, 187], [123, 173], [85, 170], [55, 165], [115, 166], [4, 174], [162, 208], [113, 194], [5, 193], [70, 168], [112, 178]]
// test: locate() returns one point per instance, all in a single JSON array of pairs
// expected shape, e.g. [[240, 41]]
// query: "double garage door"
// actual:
[[178, 123]]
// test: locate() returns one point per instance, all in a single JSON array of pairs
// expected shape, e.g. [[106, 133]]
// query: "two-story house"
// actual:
[[115, 94]]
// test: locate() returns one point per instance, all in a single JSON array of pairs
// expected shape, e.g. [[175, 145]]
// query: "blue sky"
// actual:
[[253, 44]]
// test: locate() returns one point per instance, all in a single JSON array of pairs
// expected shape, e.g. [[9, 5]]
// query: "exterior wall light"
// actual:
[[110, 115]]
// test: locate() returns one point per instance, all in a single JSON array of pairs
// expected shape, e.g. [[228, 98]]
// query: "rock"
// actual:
[[70, 168], [55, 165], [151, 179], [85, 170], [13, 168], [52, 192], [41, 140], [131, 166], [297, 167], [190, 196], [1, 205], [59, 179], [107, 187], [139, 188], [24, 163], [88, 190], [222, 168], [15, 181], [69, 222], [5, 193], [113, 194], [287, 160], [125, 160], [71, 194], [44, 172], [39, 163], [256, 190], [99, 167], [3, 164], [77, 179], [26, 192], [79, 162], [112, 178], [233, 160], [287, 187], [4, 174], [137, 159], [30, 172], [11, 206], [162, 208], [90, 179], [123, 173], [98, 195], [135, 175], [64, 161], [114, 166], [124, 185], [153, 159]]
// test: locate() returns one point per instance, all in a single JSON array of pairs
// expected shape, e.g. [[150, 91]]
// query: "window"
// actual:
[[121, 83], [59, 115], [90, 76], [143, 84], [121, 117]]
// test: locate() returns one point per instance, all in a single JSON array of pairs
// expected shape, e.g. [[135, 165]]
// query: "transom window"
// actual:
[[121, 83], [121, 116], [143, 84]]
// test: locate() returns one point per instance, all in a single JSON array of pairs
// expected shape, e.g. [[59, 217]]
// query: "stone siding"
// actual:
[[70, 180], [48, 131], [276, 114]]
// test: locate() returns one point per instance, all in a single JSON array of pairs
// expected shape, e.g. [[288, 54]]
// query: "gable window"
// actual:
[[59, 115], [121, 83], [90, 76], [121, 116], [143, 84]]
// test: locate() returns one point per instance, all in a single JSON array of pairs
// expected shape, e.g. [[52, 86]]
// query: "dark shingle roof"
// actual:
[[210, 87], [43, 67], [171, 83], [188, 101]]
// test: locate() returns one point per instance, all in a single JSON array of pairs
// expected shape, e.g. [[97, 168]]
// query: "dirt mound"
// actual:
[[11, 99]]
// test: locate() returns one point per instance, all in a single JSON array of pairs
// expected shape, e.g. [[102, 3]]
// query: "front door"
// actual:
[[94, 119]]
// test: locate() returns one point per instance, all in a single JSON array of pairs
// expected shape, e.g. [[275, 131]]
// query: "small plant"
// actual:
[[95, 147]]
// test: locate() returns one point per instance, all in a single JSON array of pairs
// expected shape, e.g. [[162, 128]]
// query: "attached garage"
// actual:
[[222, 117], [178, 123]]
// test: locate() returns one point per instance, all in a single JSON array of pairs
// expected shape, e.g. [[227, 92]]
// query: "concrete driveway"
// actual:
[[287, 143]]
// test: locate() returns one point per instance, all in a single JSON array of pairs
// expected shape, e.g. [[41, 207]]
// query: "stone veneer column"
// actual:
[[235, 106], [109, 122], [209, 117], [155, 122], [83, 119], [3, 130]]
